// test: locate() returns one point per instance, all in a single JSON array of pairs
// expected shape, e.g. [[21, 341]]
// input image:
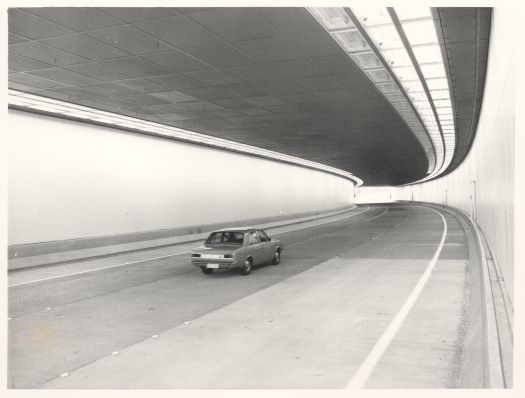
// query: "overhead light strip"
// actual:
[[399, 52], [48, 105], [360, 47]]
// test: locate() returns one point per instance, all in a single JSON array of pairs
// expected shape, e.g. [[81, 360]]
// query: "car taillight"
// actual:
[[195, 255], [228, 256]]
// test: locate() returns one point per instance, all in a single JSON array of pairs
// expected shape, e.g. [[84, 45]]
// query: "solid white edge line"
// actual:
[[157, 258], [367, 367]]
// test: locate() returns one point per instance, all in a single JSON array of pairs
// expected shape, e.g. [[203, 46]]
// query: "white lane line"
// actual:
[[365, 370], [96, 269], [160, 257], [326, 222], [379, 215]]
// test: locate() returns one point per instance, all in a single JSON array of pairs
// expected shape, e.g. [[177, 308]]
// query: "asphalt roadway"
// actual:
[[378, 298]]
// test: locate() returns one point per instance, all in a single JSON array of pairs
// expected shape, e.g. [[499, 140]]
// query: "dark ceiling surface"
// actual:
[[268, 77], [464, 35]]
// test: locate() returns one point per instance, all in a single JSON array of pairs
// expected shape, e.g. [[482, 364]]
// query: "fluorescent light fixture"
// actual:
[[406, 73], [405, 13], [388, 88], [379, 75], [440, 94], [397, 58], [442, 103], [420, 32], [395, 97], [371, 15], [332, 17], [385, 37], [433, 70], [351, 41], [366, 60], [412, 86], [427, 53], [437, 84]]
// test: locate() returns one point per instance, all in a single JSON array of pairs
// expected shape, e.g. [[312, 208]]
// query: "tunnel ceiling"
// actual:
[[268, 77]]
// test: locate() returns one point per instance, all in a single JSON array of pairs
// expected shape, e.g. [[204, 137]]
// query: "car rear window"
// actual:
[[229, 237]]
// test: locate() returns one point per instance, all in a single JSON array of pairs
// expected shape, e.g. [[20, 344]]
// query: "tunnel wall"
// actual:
[[71, 180], [483, 185]]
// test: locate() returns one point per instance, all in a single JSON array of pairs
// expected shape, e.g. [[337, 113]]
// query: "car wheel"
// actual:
[[247, 267], [276, 257], [207, 271]]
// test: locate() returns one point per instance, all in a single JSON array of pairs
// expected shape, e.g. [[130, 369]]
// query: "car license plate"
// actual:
[[212, 266]]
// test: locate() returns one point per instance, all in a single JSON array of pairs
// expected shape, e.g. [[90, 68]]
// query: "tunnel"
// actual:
[[260, 198]]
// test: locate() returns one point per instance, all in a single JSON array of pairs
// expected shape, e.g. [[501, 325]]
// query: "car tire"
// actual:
[[276, 257], [207, 271], [247, 267]]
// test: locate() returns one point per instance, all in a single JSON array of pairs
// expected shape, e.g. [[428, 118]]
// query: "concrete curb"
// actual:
[[493, 363]]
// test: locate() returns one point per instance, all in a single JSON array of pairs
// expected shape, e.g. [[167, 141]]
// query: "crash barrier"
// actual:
[[50, 253]]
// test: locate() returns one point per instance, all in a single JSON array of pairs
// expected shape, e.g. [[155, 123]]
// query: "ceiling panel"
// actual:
[[75, 18], [206, 93], [77, 93], [334, 64], [144, 99], [29, 26], [63, 76], [319, 83], [33, 81], [136, 66], [178, 31], [109, 89], [212, 77], [289, 20], [44, 53], [97, 71], [233, 24], [254, 73], [142, 85], [175, 96], [175, 81], [177, 61], [297, 68], [129, 39], [220, 55], [270, 49], [86, 46], [280, 87], [240, 89], [12, 38], [315, 44], [23, 64], [137, 14]]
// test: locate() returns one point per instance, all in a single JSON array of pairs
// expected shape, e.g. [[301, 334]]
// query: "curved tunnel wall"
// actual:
[[70, 180], [483, 185]]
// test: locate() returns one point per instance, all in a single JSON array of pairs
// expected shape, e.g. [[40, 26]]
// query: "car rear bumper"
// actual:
[[215, 263]]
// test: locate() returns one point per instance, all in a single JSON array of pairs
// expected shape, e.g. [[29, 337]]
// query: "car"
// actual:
[[241, 248]]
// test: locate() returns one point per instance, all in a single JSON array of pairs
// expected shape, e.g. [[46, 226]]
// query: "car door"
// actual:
[[255, 247], [267, 246]]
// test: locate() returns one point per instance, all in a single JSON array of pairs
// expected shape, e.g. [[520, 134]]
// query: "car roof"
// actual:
[[236, 229]]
